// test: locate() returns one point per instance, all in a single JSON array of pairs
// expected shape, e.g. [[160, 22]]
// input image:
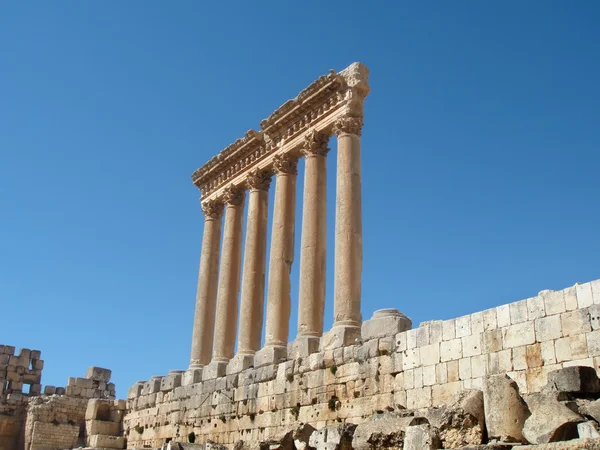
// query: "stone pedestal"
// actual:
[[340, 336], [385, 322], [269, 355], [239, 363], [303, 346], [191, 376], [206, 297], [214, 370]]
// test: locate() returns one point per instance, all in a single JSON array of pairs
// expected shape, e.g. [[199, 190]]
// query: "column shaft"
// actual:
[[253, 279], [348, 225], [311, 303], [204, 317], [229, 276], [279, 301]]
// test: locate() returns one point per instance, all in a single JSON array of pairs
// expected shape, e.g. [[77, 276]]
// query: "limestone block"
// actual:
[[103, 441], [411, 358], [518, 335], [8, 350], [35, 389], [453, 371], [301, 436], [421, 437], [442, 394], [49, 390], [554, 302], [575, 380], [4, 359], [436, 331], [505, 410], [589, 408], [593, 343], [571, 348], [471, 345], [575, 322], [60, 390], [548, 328], [102, 427], [492, 341], [303, 346], [490, 321], [418, 398], [570, 296], [451, 350], [463, 326], [336, 437], [547, 351], [152, 386], [584, 295], [550, 420], [594, 313], [503, 316], [38, 364], [449, 329], [171, 381], [479, 366], [385, 322], [428, 375], [382, 433], [588, 429], [98, 374], [401, 341], [430, 354], [340, 336], [441, 373], [191, 376], [477, 322], [519, 358], [518, 312], [535, 308]]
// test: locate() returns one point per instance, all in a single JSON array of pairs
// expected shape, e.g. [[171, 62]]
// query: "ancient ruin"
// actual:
[[521, 375]]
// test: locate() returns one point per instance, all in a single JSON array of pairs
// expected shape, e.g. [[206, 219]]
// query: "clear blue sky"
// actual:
[[481, 158]]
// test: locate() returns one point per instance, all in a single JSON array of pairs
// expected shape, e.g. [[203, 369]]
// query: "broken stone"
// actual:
[[383, 433], [550, 420], [302, 435], [589, 409], [462, 422], [421, 437], [576, 444], [575, 380], [505, 410], [333, 438], [385, 322], [588, 429]]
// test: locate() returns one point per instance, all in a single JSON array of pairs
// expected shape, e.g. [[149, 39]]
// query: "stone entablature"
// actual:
[[329, 98], [388, 371]]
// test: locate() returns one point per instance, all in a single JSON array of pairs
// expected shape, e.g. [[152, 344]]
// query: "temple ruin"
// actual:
[[521, 375]]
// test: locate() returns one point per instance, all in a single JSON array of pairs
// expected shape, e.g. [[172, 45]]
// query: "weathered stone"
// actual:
[[383, 433], [385, 322], [301, 436], [98, 374], [505, 410], [421, 437], [588, 429], [575, 380], [333, 437], [550, 420], [576, 444]]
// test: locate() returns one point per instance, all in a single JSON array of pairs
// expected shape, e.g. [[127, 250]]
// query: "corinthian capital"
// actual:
[[285, 164], [315, 143], [259, 179], [233, 195], [350, 125], [212, 209]]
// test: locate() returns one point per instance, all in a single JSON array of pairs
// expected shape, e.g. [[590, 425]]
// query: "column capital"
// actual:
[[259, 179], [285, 164], [233, 195], [315, 143], [213, 209], [349, 125]]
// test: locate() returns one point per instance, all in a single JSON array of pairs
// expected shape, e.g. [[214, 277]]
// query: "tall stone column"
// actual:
[[279, 302], [206, 296], [253, 278], [348, 235], [229, 283], [311, 302]]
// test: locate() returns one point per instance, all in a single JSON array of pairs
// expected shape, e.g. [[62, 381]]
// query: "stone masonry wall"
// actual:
[[418, 368]]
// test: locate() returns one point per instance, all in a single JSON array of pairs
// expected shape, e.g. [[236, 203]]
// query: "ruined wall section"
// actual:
[[418, 368]]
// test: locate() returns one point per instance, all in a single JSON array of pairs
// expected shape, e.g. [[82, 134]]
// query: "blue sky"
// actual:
[[480, 158]]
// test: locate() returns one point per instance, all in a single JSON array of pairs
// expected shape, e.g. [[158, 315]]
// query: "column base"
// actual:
[[340, 336], [191, 376], [304, 346], [215, 369], [270, 355], [239, 363]]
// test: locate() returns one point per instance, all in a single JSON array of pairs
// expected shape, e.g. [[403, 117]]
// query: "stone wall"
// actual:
[[49, 436], [386, 371], [17, 371]]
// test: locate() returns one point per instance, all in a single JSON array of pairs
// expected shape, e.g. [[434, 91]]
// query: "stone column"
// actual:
[[206, 296], [253, 278], [348, 236], [279, 302], [311, 302], [229, 283]]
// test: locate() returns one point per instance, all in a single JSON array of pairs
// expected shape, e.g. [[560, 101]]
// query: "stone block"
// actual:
[[35, 389], [463, 326], [503, 316], [411, 358], [449, 329], [8, 350], [535, 308], [191, 376], [518, 312], [102, 427], [593, 343], [35, 354], [382, 433], [436, 331], [49, 390], [451, 350], [239, 363], [421, 437], [471, 345], [505, 410], [554, 302], [4, 359], [575, 322], [215, 369], [575, 380], [38, 364], [588, 429], [490, 321], [548, 328], [584, 295], [303, 346], [104, 441], [270, 355], [333, 437], [171, 381], [340, 336], [430, 354], [492, 341], [152, 386], [385, 322], [98, 374], [477, 323], [594, 314], [550, 420], [60, 390], [518, 335]]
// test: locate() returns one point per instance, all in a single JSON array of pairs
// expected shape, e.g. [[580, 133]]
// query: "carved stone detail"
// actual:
[[259, 179], [213, 209], [283, 163], [233, 195], [350, 125], [315, 144]]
